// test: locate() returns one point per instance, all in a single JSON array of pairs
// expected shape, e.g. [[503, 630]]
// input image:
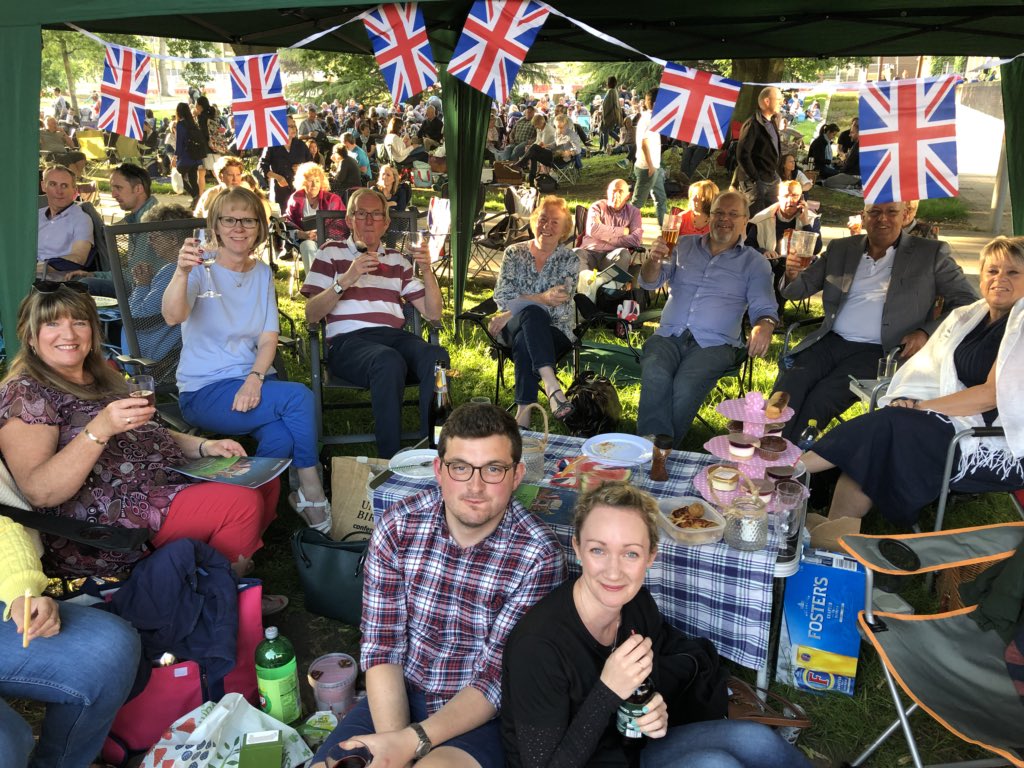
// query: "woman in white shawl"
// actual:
[[969, 374]]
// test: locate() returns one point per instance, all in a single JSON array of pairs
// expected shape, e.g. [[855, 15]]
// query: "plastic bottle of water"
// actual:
[[809, 436], [277, 677]]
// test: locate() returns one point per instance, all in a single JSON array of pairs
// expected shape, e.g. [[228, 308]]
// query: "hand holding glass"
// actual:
[[670, 229], [143, 386]]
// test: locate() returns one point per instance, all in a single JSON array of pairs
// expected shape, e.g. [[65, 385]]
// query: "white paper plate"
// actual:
[[418, 463], [618, 449]]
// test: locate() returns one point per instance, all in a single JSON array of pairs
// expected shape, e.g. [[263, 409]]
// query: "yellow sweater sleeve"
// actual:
[[19, 564]]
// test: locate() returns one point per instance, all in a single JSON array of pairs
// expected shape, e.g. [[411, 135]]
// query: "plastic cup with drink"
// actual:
[[670, 229], [143, 386]]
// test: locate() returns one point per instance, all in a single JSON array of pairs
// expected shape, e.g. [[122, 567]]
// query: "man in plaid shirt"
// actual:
[[449, 573]]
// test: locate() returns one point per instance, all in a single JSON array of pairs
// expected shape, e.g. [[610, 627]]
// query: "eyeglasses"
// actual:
[[461, 472], [364, 215], [52, 286], [877, 213], [727, 215], [231, 222]]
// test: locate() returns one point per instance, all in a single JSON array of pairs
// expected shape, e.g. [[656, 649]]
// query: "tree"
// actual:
[[638, 76], [194, 73], [346, 76], [69, 57]]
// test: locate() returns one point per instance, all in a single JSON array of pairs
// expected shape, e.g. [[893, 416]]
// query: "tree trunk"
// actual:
[[66, 57], [161, 68], [755, 71]]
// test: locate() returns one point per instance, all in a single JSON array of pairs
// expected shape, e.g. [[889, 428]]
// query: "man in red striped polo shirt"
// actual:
[[360, 286]]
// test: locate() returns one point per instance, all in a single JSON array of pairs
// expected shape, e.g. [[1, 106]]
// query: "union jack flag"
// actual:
[[694, 106], [123, 91], [494, 43], [258, 108], [400, 45], [908, 139]]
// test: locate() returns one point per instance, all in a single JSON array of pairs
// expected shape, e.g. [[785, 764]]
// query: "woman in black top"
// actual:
[[820, 151], [344, 172], [968, 374], [189, 150], [583, 649]]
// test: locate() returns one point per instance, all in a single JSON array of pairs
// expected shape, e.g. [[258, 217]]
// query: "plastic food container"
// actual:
[[691, 536]]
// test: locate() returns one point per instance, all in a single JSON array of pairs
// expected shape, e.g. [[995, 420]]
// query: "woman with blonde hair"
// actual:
[[226, 376], [396, 193], [312, 194], [535, 289], [696, 219]]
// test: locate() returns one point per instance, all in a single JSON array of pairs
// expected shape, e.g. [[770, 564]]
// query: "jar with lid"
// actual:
[[746, 523]]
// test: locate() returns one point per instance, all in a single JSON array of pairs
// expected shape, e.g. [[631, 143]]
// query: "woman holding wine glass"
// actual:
[[535, 290], [226, 378]]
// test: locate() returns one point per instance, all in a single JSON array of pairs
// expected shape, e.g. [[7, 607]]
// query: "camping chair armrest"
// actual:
[[434, 328], [109, 537], [793, 327], [141, 362], [937, 550], [590, 313]]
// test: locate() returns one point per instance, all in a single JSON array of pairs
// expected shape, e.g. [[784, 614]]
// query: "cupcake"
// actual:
[[774, 429], [779, 473], [734, 426], [771, 448], [723, 477], [742, 445], [765, 489]]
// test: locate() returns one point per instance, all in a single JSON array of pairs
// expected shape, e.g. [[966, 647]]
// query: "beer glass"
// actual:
[[670, 229], [142, 386]]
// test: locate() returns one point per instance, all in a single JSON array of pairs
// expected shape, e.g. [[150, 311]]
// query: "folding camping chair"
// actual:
[[972, 696], [439, 225], [494, 232]]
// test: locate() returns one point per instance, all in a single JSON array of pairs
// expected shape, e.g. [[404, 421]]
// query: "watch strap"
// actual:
[[425, 745]]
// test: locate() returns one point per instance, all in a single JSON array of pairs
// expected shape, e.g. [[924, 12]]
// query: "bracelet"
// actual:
[[93, 437], [202, 454]]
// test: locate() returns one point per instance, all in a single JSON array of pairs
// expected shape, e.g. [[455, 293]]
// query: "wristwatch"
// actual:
[[337, 288], [425, 745], [258, 375]]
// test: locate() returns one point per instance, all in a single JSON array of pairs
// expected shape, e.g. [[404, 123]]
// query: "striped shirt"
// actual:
[[442, 612], [376, 298]]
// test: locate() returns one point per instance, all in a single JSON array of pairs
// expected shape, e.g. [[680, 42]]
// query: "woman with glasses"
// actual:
[[79, 447], [226, 377], [534, 291], [312, 194], [575, 657]]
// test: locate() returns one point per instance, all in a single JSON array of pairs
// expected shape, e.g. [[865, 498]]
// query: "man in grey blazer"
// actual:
[[879, 291]]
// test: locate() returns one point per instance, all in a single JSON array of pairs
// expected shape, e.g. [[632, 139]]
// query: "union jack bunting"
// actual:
[[400, 45], [494, 43], [908, 139], [694, 106], [258, 108], [123, 91]]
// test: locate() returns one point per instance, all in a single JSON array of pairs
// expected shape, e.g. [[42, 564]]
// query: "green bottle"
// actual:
[[277, 677]]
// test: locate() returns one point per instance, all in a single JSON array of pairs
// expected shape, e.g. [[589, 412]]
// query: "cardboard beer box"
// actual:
[[261, 749], [820, 641]]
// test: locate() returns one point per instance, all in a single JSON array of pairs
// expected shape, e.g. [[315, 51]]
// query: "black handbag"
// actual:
[[331, 574]]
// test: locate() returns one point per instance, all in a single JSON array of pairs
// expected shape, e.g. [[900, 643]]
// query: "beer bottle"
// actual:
[[440, 404], [277, 677], [632, 708]]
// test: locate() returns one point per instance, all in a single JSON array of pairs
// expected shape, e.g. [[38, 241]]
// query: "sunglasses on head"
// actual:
[[52, 286]]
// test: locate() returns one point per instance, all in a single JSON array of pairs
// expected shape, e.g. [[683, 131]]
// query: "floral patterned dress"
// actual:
[[519, 277], [132, 484]]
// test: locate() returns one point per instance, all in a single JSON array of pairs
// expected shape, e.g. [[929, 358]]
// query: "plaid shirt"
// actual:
[[443, 612], [523, 132]]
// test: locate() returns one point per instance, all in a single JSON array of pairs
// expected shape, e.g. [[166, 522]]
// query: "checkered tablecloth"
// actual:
[[713, 591]]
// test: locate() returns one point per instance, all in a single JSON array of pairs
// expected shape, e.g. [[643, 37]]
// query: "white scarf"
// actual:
[[917, 379]]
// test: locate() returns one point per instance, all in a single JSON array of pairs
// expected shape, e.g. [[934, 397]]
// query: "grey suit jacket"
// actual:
[[922, 270]]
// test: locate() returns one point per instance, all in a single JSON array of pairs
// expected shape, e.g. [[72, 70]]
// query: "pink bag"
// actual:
[[178, 689]]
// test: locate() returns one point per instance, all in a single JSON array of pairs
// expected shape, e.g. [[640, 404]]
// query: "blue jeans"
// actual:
[[283, 422], [535, 344], [83, 674], [483, 743], [722, 744], [383, 360], [645, 185], [676, 374], [693, 156]]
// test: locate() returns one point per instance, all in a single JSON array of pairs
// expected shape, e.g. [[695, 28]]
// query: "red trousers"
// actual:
[[229, 518]]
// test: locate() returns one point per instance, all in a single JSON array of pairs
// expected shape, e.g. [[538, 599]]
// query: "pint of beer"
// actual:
[[670, 229]]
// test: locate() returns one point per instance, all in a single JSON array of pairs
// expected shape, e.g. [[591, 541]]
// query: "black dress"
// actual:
[[897, 455]]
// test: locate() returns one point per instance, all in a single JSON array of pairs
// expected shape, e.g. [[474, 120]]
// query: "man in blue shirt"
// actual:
[[712, 280]]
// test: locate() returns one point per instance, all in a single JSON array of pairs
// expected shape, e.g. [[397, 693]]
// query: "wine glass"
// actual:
[[211, 292], [418, 239]]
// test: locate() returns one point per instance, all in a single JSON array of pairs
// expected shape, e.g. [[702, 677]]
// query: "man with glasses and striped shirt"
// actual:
[[449, 573], [359, 286]]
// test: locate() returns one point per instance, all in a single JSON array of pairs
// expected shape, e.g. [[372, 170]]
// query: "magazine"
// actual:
[[552, 505], [247, 471]]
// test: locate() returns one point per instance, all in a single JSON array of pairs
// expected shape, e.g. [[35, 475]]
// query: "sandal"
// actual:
[[303, 507], [272, 604], [563, 409]]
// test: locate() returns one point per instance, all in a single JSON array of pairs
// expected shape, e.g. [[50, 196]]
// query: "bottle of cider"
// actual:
[[440, 404]]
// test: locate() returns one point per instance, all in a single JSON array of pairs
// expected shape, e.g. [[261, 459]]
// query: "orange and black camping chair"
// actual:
[[946, 663]]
